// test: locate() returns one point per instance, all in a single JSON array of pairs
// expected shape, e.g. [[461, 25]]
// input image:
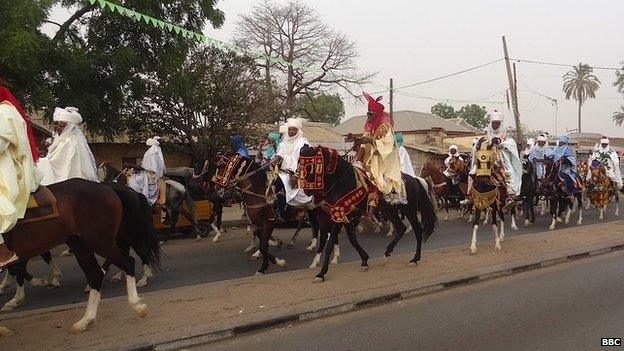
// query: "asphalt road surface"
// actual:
[[188, 262], [565, 307]]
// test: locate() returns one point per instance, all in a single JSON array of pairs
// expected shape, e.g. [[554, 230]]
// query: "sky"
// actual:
[[411, 41]]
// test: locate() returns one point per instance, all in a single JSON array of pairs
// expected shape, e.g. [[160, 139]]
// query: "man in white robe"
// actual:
[[288, 152], [404, 157], [18, 178], [148, 179], [452, 153], [538, 153], [609, 158], [69, 156], [508, 152]]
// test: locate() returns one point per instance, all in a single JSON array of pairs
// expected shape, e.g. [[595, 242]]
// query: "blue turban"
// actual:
[[239, 144], [399, 139], [564, 139]]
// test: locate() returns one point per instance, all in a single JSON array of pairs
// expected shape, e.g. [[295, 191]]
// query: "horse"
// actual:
[[582, 168], [176, 197], [554, 189], [92, 218], [486, 193], [600, 189], [341, 193], [441, 185], [241, 177], [528, 192]]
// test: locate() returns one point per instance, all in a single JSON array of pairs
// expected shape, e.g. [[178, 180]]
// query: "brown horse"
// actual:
[[441, 183], [91, 216], [600, 189]]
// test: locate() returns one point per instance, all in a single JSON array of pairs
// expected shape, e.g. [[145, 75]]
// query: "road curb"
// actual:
[[374, 300]]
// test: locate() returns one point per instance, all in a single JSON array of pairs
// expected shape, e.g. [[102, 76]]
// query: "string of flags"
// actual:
[[173, 28]]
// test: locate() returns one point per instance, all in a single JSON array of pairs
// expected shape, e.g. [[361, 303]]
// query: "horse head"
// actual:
[[598, 172], [314, 164]]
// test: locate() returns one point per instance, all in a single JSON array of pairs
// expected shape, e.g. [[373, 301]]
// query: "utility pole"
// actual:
[[391, 100], [513, 92]]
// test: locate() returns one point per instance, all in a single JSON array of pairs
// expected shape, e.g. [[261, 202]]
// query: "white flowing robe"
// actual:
[[19, 176], [406, 162], [147, 181], [289, 150], [510, 159], [68, 157]]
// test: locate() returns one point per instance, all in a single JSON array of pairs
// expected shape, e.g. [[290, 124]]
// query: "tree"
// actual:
[[210, 97], [619, 80], [293, 32], [618, 116], [580, 84], [475, 115], [321, 107], [443, 110], [96, 60]]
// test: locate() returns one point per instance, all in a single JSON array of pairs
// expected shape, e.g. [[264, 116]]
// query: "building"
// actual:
[[426, 136], [116, 151]]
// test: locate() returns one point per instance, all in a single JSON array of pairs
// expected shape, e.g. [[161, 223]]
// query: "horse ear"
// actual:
[[379, 98]]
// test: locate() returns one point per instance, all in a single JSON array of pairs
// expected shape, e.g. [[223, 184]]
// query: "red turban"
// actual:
[[5, 95], [379, 116]]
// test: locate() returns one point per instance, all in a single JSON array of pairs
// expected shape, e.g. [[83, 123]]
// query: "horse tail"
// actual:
[[138, 226], [191, 206], [425, 204], [431, 193]]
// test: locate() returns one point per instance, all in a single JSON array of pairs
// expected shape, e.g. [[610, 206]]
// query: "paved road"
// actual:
[[566, 307], [187, 262]]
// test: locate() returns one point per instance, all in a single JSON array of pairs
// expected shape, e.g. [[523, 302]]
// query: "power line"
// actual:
[[564, 64], [450, 75], [437, 99]]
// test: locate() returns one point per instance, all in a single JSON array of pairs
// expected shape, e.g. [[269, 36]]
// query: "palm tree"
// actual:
[[618, 116], [619, 80], [580, 84]]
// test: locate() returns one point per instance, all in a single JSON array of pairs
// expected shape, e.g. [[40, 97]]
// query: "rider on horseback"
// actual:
[[538, 153], [449, 172], [564, 155], [404, 157], [148, 178], [19, 176], [609, 158], [69, 156], [507, 156]]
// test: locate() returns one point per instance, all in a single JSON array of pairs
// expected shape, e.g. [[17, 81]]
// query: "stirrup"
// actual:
[[13, 259]]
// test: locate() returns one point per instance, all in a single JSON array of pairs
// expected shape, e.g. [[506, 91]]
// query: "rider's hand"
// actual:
[[365, 140]]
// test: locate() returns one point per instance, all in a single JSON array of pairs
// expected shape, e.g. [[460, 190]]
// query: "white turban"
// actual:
[[294, 123], [453, 147], [283, 129], [542, 137], [152, 141], [604, 141], [67, 114], [496, 116]]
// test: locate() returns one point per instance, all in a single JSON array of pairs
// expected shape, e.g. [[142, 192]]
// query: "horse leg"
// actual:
[[579, 200], [350, 228], [19, 271], [93, 272], [446, 214], [6, 282], [400, 228], [336, 252], [617, 204], [331, 241], [252, 245], [293, 240], [513, 220], [417, 229], [257, 234], [56, 274], [315, 227], [553, 213], [501, 216], [324, 234], [475, 228], [488, 212], [497, 241], [264, 249]]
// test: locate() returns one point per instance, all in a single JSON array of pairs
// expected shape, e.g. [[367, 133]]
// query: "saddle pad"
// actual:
[[41, 206]]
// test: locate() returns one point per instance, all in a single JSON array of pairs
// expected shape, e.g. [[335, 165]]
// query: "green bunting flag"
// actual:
[[114, 8]]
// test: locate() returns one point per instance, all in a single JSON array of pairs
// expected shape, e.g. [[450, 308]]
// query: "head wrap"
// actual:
[[6, 95], [604, 140], [269, 150], [152, 141], [399, 139], [542, 137], [529, 147], [283, 129], [564, 139], [496, 116], [67, 114], [379, 116], [294, 123], [239, 143]]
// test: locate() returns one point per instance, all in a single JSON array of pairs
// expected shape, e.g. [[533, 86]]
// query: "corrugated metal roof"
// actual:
[[404, 121]]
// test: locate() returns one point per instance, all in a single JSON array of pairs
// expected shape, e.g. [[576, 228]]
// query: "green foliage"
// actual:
[[443, 110], [580, 84], [96, 60], [618, 116], [475, 115], [619, 80], [211, 96], [321, 107]]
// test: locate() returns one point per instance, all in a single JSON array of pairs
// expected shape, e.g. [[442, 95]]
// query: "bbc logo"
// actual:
[[610, 341]]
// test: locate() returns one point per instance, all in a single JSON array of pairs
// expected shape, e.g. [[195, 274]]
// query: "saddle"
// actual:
[[41, 206]]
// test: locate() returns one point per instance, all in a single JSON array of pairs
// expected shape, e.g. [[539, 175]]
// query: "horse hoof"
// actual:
[[9, 306], [307, 250], [65, 253], [87, 289], [81, 326], [291, 244], [579, 223], [198, 238], [387, 254], [552, 227], [473, 251], [249, 249], [497, 247], [258, 273], [216, 239], [514, 228], [319, 280], [141, 283], [280, 262], [364, 269], [253, 258], [55, 284], [412, 264], [5, 332], [334, 261], [141, 310], [39, 282]]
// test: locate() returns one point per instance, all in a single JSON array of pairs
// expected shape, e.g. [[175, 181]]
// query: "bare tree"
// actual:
[[323, 58]]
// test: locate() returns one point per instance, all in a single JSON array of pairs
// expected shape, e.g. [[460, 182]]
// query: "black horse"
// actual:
[[528, 192], [560, 202], [332, 180]]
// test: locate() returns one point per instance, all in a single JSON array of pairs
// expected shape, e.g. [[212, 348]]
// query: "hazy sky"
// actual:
[[412, 41]]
